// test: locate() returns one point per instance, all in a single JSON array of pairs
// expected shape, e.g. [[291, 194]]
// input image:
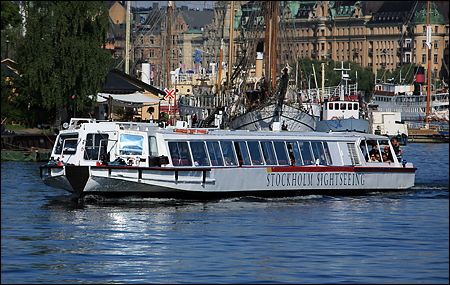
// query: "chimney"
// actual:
[[419, 79]]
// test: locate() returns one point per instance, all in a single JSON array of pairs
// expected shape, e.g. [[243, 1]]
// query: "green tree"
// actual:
[[10, 15], [63, 53]]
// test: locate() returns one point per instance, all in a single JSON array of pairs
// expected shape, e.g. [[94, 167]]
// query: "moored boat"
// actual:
[[120, 159]]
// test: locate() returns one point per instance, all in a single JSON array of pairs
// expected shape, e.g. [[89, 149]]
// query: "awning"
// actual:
[[134, 100]]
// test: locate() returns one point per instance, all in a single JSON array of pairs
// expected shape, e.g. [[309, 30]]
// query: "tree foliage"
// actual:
[[10, 15], [63, 53]]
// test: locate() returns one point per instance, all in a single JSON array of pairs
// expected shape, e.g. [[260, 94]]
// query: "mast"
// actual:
[[220, 66], [169, 40], [274, 42], [127, 41], [428, 42], [230, 49]]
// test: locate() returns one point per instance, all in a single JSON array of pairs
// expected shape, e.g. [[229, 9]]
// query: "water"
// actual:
[[391, 237]]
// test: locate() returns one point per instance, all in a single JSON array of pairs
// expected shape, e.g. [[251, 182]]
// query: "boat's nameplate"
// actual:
[[314, 179]]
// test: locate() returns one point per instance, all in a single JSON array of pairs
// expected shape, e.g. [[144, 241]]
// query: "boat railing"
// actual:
[[200, 101], [133, 126]]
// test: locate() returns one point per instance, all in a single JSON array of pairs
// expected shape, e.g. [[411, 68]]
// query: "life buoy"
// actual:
[[352, 117], [334, 117], [194, 131]]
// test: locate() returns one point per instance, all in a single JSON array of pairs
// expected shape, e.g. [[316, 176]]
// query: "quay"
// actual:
[[424, 135], [27, 145]]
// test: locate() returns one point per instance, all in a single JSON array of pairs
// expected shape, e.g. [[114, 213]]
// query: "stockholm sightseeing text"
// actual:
[[315, 179]]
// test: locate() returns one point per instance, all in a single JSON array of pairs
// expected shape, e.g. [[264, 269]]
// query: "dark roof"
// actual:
[[136, 82], [197, 19], [8, 71], [115, 84]]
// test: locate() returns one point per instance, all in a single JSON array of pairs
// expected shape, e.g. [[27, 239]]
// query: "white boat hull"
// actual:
[[267, 181]]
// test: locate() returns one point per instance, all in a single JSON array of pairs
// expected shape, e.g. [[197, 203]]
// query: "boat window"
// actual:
[[350, 106], [318, 152], [179, 153], [343, 106], [214, 153], [199, 153], [255, 152], [152, 146], [280, 151], [336, 106], [130, 144], [331, 106], [70, 146], [355, 106], [327, 153], [305, 150], [92, 148], [268, 152], [242, 153], [228, 153], [294, 154]]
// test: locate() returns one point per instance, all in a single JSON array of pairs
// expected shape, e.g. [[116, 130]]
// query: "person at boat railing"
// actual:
[[397, 150]]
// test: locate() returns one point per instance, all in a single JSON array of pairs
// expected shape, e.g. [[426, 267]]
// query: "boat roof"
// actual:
[[199, 132]]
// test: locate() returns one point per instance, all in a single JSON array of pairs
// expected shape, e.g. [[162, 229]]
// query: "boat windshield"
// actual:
[[69, 141]]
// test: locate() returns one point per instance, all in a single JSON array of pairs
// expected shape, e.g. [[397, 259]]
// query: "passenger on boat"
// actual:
[[374, 150], [388, 154], [385, 158], [397, 150], [377, 157], [372, 158]]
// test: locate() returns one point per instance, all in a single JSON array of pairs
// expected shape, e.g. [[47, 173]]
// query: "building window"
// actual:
[[424, 29], [436, 29], [435, 44], [435, 58], [424, 44], [151, 53], [424, 58], [142, 54], [152, 41], [142, 40]]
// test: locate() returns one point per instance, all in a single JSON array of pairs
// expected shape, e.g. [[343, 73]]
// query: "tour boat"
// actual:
[[126, 158]]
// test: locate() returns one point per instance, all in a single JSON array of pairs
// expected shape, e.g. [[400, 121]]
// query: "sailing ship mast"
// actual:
[[230, 49], [428, 42], [127, 40]]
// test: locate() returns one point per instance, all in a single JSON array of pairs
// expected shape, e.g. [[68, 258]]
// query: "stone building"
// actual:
[[378, 34]]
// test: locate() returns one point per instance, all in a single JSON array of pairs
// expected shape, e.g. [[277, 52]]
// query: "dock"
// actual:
[[424, 135], [27, 146]]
